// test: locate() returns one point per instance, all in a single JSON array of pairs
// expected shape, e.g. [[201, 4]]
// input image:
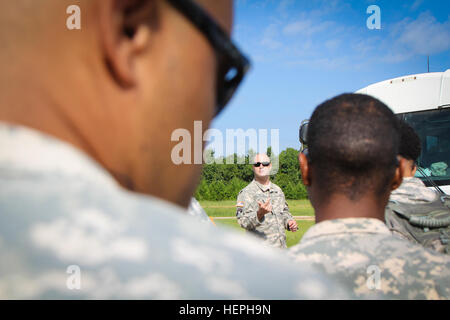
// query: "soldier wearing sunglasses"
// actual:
[[88, 187], [262, 208]]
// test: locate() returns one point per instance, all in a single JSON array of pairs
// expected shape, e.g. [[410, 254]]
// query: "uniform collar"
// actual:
[[413, 181], [346, 226], [25, 151], [263, 187]]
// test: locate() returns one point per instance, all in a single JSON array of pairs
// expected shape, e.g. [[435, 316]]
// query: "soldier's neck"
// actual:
[[338, 206], [263, 180]]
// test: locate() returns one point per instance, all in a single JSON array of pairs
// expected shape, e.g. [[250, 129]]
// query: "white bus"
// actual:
[[423, 100]]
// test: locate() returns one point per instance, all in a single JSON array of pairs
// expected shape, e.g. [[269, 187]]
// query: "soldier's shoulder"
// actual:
[[417, 251], [250, 188], [276, 187]]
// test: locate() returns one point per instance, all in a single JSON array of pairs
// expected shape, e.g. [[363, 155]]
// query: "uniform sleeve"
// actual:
[[246, 211], [286, 214]]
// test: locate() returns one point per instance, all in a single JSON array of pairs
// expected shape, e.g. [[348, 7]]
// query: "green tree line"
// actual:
[[222, 181]]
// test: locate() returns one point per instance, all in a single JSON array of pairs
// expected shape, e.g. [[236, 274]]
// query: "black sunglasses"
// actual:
[[265, 164], [232, 65]]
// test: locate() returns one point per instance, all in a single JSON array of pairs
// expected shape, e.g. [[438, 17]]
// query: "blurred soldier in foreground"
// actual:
[[195, 209], [415, 212], [262, 208], [350, 168], [85, 140]]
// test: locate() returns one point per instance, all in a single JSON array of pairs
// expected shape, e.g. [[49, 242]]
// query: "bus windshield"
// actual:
[[433, 128]]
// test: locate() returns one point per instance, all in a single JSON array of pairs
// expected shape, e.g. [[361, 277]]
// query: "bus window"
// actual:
[[433, 128]]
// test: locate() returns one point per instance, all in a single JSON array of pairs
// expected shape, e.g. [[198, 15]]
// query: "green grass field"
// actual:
[[227, 209]]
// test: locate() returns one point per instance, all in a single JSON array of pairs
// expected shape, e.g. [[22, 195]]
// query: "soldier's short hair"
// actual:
[[353, 142], [410, 145]]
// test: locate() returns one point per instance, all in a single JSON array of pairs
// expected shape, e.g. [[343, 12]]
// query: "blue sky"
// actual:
[[304, 52]]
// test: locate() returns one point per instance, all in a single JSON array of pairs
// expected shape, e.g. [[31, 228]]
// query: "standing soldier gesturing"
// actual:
[[262, 208]]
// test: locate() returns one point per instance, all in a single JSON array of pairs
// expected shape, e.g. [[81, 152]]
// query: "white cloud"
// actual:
[[313, 39], [306, 27], [270, 36], [284, 6], [332, 44], [416, 5], [326, 63], [366, 46], [425, 35]]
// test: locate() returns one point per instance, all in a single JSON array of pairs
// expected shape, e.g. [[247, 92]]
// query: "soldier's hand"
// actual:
[[264, 208], [293, 225]]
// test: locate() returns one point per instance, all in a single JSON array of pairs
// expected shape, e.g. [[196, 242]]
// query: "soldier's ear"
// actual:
[[304, 168], [398, 176], [124, 29]]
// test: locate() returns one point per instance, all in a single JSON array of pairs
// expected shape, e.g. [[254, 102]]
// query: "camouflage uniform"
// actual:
[[196, 210], [358, 250], [69, 231], [413, 190], [273, 225]]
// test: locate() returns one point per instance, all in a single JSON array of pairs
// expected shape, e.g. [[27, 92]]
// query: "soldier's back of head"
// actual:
[[350, 168]]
